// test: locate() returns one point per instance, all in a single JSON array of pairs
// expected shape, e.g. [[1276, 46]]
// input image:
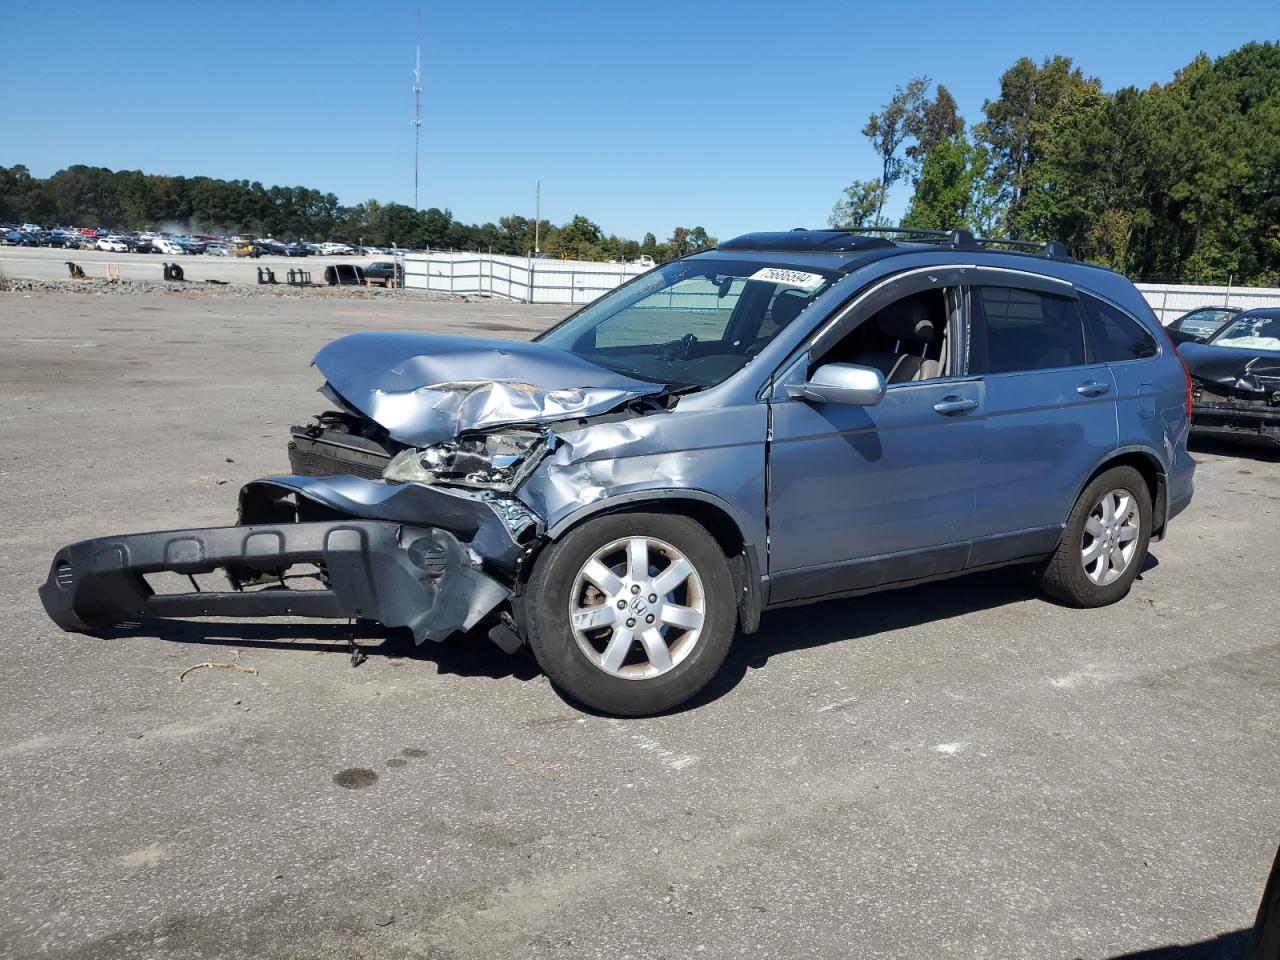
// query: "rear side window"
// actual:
[[1114, 336], [1015, 330]]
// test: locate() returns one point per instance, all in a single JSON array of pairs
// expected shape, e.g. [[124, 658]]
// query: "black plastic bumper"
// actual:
[[1250, 422], [399, 575]]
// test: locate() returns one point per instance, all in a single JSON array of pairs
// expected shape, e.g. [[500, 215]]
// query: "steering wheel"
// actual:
[[677, 349]]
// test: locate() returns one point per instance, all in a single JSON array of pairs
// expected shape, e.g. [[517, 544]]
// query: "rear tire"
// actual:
[[1104, 543], [631, 613]]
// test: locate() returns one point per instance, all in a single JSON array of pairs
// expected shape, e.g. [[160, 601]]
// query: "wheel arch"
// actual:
[[1152, 469], [720, 519]]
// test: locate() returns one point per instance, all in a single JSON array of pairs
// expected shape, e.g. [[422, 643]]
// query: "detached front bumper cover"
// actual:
[[421, 578]]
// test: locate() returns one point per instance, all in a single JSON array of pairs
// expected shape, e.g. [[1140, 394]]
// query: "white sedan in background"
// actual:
[[112, 245], [168, 247]]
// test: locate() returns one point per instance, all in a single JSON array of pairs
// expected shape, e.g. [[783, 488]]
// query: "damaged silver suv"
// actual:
[[786, 418]]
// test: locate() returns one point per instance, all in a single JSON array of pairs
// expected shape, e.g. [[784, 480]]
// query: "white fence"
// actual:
[[515, 278], [1171, 301], [580, 281]]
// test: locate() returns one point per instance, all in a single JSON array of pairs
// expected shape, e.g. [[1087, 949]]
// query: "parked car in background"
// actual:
[[1200, 324], [344, 274], [384, 270], [336, 249], [786, 418], [112, 245], [168, 246], [297, 250], [1236, 377], [219, 250]]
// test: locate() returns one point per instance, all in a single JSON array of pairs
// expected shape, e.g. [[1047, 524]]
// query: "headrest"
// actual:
[[786, 307], [907, 319]]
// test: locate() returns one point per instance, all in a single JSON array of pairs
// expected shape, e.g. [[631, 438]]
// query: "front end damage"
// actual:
[[1234, 397], [401, 508], [404, 562]]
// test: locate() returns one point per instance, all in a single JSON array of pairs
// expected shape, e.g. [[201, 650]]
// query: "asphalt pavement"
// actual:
[[956, 770]]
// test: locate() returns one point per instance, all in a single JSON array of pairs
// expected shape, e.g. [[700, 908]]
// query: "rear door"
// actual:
[[1049, 411]]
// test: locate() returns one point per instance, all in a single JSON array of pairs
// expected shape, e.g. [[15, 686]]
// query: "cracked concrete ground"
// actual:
[[958, 770]]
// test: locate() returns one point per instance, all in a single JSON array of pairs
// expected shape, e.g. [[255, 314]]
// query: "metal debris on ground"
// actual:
[[358, 656], [385, 920], [232, 664]]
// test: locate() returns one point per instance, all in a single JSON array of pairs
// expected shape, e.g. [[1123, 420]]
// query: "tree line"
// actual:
[[1175, 182], [133, 200]]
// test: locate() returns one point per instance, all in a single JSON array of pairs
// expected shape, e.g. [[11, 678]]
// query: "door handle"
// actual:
[[1092, 388], [953, 404]]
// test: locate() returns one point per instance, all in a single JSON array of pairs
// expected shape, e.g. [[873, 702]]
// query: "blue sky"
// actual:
[[732, 115]]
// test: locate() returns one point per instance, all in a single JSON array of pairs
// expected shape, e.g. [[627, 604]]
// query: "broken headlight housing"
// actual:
[[493, 461]]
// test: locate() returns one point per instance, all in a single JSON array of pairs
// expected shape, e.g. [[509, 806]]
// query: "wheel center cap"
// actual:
[[639, 606]]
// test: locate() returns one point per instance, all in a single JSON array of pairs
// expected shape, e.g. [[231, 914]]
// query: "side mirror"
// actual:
[[842, 383]]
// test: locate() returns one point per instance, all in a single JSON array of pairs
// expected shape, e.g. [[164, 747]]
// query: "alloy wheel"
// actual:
[[637, 608], [1110, 536]]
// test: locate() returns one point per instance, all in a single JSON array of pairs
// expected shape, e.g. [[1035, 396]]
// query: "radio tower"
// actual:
[[417, 108]]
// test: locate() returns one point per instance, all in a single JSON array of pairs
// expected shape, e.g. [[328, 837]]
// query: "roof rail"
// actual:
[[964, 240], [1050, 248], [920, 232]]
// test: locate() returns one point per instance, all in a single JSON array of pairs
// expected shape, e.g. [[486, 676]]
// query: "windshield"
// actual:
[[691, 323], [1251, 333], [1202, 323]]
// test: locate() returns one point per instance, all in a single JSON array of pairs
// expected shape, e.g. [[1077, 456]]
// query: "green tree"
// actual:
[[937, 121], [890, 127], [1017, 127], [861, 206], [944, 195], [579, 239]]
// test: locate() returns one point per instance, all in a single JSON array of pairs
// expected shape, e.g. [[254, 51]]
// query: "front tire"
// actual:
[[632, 613], [1104, 543]]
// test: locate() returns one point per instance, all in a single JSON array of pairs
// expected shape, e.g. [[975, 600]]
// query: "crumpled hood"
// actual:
[[1232, 367], [424, 388]]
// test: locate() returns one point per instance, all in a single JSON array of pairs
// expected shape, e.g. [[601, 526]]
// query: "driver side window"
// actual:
[[906, 340]]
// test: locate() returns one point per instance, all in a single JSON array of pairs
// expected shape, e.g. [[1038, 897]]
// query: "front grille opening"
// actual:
[[303, 577], [64, 576], [167, 582]]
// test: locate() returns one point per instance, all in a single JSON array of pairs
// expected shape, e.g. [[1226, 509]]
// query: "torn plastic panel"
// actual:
[[399, 575], [495, 529], [428, 388]]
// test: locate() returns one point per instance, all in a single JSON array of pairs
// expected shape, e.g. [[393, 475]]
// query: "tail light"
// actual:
[[1186, 371]]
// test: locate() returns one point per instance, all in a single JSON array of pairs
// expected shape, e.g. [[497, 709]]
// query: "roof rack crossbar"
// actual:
[[963, 239]]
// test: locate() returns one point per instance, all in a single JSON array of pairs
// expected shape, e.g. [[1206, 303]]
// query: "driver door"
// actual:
[[860, 496]]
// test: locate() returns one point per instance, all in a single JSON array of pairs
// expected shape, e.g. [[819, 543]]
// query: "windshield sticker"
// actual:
[[789, 278]]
